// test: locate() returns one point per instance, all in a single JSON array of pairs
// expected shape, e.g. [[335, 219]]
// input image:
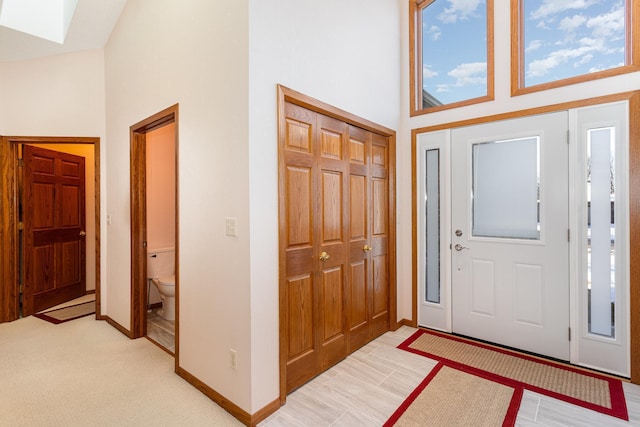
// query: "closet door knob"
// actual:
[[367, 248], [324, 256]]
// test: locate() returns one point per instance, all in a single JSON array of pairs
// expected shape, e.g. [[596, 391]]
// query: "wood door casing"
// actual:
[[334, 187], [54, 227]]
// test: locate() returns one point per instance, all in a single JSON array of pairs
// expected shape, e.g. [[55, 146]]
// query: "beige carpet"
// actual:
[[86, 373], [455, 398]]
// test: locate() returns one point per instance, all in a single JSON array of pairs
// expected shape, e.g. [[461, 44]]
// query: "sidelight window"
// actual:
[[601, 231], [432, 238]]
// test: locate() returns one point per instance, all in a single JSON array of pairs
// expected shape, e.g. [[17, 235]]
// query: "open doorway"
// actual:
[[70, 259], [154, 230]]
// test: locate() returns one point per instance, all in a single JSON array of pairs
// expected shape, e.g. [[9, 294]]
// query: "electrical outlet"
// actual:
[[234, 358], [231, 225]]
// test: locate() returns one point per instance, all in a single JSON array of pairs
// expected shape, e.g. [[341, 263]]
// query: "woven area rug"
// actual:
[[66, 314], [450, 397], [512, 370]]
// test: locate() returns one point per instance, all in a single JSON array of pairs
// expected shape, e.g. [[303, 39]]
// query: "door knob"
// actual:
[[458, 247], [367, 248], [324, 256], [82, 233]]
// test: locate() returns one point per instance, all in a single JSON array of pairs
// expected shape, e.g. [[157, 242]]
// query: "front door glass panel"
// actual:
[[432, 209], [505, 189], [601, 242]]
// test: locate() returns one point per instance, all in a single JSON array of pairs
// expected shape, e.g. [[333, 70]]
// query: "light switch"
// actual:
[[231, 224]]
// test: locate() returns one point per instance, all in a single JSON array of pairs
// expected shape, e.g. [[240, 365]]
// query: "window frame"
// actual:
[[632, 52], [415, 59]]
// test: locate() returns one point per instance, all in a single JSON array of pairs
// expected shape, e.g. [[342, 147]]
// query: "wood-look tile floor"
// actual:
[[161, 331], [370, 384]]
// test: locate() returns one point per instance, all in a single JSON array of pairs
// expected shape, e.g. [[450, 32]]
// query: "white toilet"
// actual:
[[161, 271]]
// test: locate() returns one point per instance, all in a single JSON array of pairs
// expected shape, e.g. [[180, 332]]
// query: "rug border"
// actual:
[[55, 321], [618, 402], [509, 417]]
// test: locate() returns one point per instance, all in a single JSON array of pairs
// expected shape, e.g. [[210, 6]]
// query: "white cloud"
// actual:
[[459, 10], [434, 32], [581, 39], [542, 24], [428, 73], [570, 24], [584, 60], [533, 45], [551, 7], [580, 55], [441, 88], [609, 24], [473, 73]]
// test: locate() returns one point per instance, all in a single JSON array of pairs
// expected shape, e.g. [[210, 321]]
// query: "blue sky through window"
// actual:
[[567, 38], [454, 50]]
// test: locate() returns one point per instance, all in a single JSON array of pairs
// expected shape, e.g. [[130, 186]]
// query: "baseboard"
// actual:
[[222, 401], [90, 291], [263, 413], [116, 325], [407, 322]]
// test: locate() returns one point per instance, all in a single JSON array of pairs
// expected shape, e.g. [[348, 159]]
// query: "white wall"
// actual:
[[61, 95], [345, 53], [194, 53], [161, 187]]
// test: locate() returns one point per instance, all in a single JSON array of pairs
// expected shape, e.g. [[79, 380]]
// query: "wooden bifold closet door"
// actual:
[[334, 250]]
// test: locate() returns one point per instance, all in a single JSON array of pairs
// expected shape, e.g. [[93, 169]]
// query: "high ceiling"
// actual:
[[90, 28]]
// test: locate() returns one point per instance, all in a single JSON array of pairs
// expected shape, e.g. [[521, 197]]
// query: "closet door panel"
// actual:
[[379, 206], [331, 197], [359, 232], [299, 219]]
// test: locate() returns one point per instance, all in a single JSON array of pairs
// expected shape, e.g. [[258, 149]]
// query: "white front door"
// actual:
[[510, 222]]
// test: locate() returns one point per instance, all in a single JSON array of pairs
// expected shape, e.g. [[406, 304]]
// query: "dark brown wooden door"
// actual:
[[54, 228], [334, 224]]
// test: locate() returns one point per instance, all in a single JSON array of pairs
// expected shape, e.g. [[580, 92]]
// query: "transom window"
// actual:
[[565, 42], [454, 53]]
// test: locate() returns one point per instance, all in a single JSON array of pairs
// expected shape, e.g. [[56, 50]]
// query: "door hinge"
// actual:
[[568, 136], [20, 226], [569, 333], [568, 234], [144, 244], [20, 163]]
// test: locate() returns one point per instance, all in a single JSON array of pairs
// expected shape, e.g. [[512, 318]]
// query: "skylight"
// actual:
[[47, 19]]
